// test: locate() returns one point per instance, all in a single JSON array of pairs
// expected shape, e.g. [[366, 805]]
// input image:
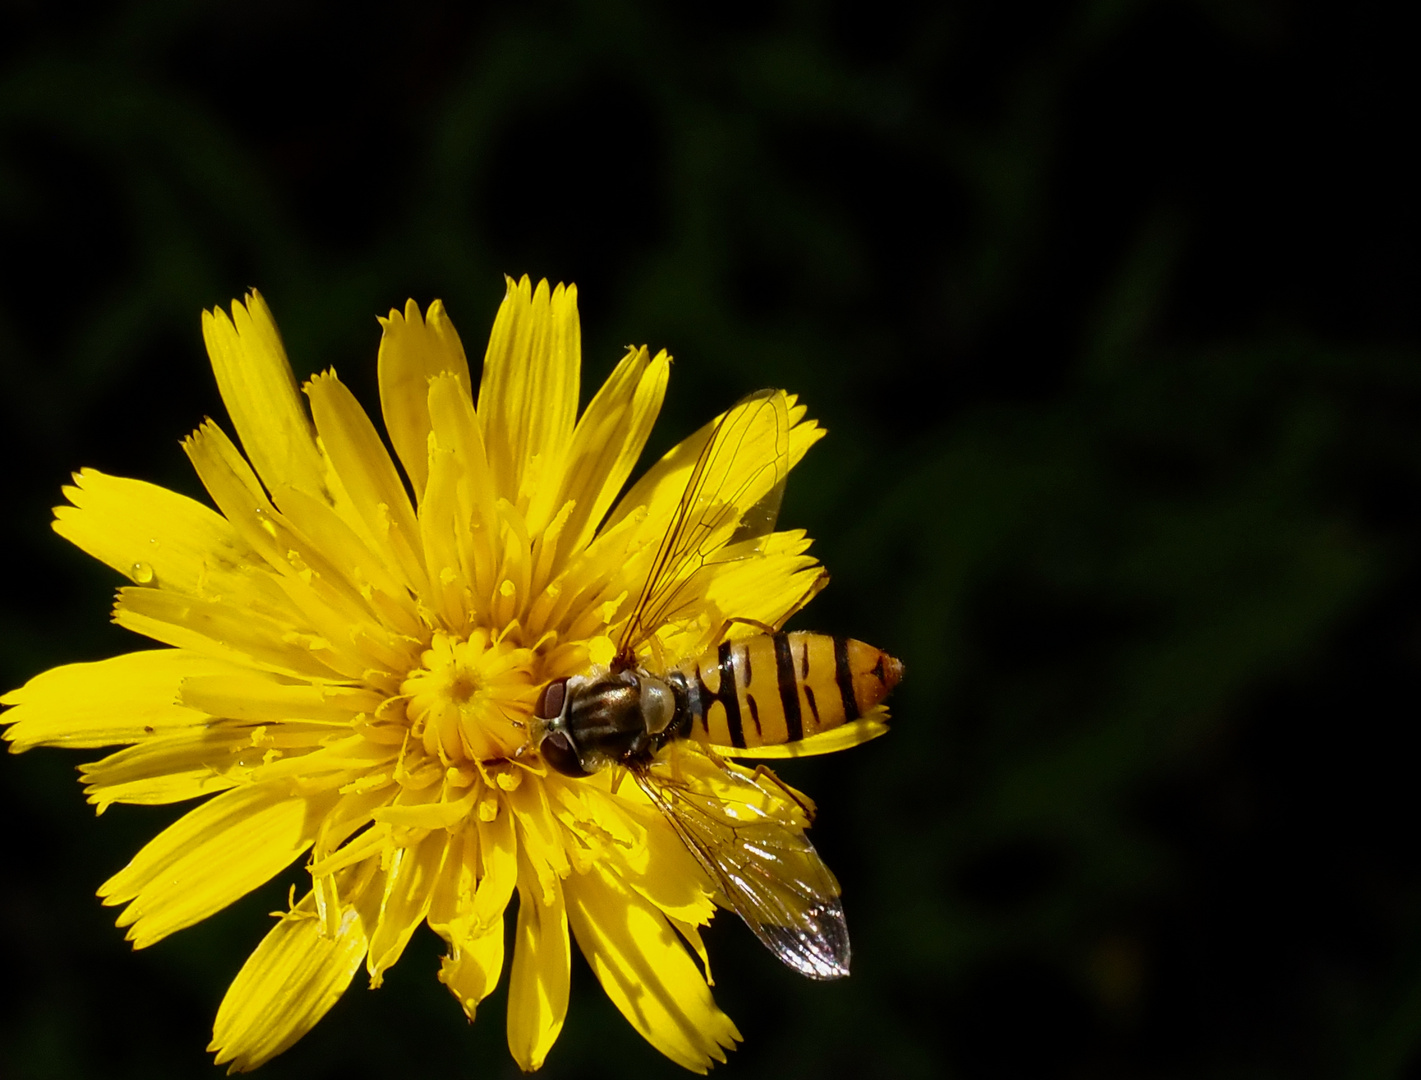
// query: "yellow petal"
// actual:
[[235, 489], [370, 845], [149, 534], [541, 843], [296, 974], [428, 815], [314, 535], [538, 984], [498, 852], [413, 351], [471, 971], [605, 446], [255, 380], [170, 768], [754, 584], [349, 814], [368, 476], [739, 474], [120, 700], [314, 569], [229, 631], [446, 558], [692, 934], [652, 859], [209, 857], [196, 761], [344, 632], [454, 889], [869, 726], [328, 543], [669, 877], [646, 972], [409, 884], [473, 924], [258, 697], [334, 765], [528, 393], [736, 485], [458, 519]]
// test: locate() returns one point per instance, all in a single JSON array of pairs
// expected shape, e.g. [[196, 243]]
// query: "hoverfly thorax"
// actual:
[[589, 722]]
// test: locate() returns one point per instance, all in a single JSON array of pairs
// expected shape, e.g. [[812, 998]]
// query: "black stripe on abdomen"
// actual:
[[789, 688], [845, 679], [727, 696]]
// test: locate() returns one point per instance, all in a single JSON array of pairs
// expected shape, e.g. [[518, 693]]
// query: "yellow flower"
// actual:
[[349, 674]]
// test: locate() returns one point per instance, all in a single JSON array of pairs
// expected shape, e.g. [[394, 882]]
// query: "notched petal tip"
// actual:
[[259, 389], [293, 978]]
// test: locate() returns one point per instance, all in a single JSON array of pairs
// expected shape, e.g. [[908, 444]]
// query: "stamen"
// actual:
[[467, 699]]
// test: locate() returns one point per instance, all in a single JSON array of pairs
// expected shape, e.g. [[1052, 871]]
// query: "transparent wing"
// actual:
[[767, 871], [732, 499]]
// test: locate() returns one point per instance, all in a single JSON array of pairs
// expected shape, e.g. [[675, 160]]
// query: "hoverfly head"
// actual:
[[553, 739]]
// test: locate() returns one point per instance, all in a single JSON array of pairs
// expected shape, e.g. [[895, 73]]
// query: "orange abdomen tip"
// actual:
[[873, 672]]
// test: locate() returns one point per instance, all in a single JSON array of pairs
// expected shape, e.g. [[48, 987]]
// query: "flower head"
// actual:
[[351, 658]]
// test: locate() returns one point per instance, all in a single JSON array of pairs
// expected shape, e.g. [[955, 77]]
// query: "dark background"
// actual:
[[1110, 311]]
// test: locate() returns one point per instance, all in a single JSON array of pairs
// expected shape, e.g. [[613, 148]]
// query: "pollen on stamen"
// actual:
[[459, 702]]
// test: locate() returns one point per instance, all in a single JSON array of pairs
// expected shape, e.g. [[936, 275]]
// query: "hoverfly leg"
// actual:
[[619, 774], [764, 628], [709, 751], [673, 761], [818, 585], [764, 772]]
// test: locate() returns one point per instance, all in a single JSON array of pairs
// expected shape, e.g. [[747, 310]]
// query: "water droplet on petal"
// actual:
[[142, 573]]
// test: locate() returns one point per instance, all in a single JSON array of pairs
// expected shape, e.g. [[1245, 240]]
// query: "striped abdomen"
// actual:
[[777, 688]]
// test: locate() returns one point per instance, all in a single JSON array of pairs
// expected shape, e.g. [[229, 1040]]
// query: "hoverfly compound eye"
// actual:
[[558, 751], [550, 701]]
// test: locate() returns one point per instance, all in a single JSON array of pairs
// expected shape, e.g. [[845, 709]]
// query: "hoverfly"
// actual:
[[753, 690]]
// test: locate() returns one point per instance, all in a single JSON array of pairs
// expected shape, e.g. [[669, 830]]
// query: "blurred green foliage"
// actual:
[[1109, 308]]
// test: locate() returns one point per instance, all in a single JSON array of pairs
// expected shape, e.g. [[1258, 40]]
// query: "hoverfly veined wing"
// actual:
[[743, 464], [767, 872]]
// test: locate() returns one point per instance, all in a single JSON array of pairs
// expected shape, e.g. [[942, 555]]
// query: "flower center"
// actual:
[[471, 698]]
